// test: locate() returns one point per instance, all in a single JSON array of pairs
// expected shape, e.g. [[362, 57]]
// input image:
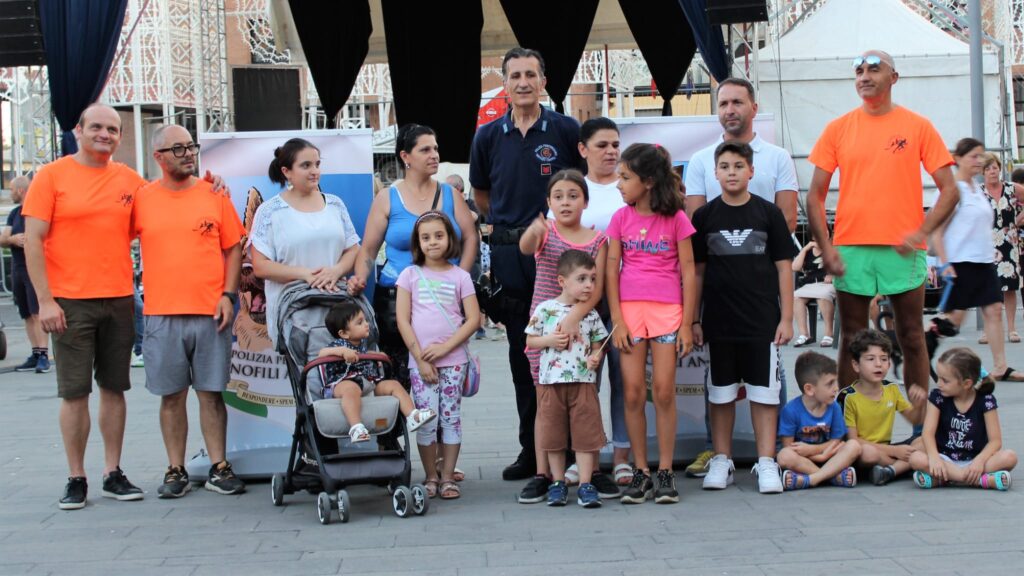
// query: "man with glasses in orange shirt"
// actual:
[[192, 258], [880, 228]]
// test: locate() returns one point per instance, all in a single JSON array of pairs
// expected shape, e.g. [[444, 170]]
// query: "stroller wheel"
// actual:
[[277, 489], [402, 502], [420, 501], [323, 508], [344, 507]]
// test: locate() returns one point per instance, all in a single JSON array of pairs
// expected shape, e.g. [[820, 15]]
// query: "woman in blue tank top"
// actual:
[[390, 222]]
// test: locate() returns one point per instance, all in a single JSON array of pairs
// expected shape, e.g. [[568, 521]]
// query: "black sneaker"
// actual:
[[523, 468], [536, 490], [558, 494], [223, 480], [639, 489], [117, 486], [28, 365], [666, 492], [75, 492], [606, 487], [176, 483], [882, 475]]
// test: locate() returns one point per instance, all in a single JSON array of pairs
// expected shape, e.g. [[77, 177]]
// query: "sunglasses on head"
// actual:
[[871, 60]]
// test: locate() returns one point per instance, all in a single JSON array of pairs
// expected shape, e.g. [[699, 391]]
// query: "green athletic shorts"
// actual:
[[872, 270]]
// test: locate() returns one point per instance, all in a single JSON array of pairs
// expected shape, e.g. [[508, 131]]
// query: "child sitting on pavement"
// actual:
[[870, 405], [962, 437], [811, 428], [351, 378], [567, 390]]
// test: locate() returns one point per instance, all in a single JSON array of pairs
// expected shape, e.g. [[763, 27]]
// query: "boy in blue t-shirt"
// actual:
[[812, 428]]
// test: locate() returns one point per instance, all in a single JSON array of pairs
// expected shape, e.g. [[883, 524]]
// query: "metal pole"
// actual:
[[977, 87], [140, 155]]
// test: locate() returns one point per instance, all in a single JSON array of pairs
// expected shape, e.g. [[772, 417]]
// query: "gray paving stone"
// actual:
[[897, 529]]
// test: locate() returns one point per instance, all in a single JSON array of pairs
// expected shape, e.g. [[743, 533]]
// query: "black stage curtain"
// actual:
[[434, 56], [335, 37], [80, 40], [559, 31], [709, 38], [664, 37]]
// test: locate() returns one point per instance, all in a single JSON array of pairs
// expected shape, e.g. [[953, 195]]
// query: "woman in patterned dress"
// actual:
[[1006, 199]]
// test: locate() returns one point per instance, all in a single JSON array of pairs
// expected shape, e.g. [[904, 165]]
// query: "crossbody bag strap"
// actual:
[[440, 307], [437, 196]]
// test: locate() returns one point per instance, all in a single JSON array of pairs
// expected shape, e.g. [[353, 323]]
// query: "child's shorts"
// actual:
[[656, 321], [756, 364], [367, 386], [957, 463], [565, 407]]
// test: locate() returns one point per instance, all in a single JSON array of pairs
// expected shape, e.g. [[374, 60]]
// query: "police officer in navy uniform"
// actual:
[[512, 159]]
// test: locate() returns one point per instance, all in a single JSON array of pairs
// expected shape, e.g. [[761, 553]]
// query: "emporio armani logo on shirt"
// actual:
[[736, 237]]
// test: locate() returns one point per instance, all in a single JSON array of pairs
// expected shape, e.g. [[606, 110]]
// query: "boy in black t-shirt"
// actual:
[[744, 273]]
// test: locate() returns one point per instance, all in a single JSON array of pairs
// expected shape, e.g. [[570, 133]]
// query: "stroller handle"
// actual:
[[374, 356]]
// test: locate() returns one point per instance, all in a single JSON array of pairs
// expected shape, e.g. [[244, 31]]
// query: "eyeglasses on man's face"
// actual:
[[179, 149]]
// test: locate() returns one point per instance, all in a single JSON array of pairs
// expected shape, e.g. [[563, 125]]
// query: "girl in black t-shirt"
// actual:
[[962, 438]]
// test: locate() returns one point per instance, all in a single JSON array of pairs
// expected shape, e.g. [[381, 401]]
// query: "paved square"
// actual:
[[897, 529]]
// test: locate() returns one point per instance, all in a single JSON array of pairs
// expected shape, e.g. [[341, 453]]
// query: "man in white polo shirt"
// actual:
[[774, 180], [774, 174]]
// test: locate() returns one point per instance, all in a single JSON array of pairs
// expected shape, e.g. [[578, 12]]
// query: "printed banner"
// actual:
[[261, 408]]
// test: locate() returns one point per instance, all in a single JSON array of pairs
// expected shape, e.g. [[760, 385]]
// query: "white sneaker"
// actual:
[[769, 480], [137, 361], [720, 473]]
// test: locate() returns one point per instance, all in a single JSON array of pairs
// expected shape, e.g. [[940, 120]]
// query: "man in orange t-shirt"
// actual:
[[880, 229], [192, 258], [77, 225]]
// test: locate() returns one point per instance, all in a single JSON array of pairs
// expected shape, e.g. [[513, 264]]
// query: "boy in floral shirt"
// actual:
[[567, 394]]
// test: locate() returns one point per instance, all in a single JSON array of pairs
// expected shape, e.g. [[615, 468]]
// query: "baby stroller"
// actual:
[[318, 463]]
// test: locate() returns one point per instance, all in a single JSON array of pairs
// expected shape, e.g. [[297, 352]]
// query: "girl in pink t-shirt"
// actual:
[[649, 259], [437, 312]]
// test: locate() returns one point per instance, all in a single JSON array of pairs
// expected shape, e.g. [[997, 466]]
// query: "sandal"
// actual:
[[431, 487], [419, 417], [572, 475], [450, 490], [1011, 375], [845, 479], [926, 480], [358, 433], [457, 474], [795, 480], [1014, 337], [998, 480], [826, 342], [800, 341], [623, 474], [983, 339]]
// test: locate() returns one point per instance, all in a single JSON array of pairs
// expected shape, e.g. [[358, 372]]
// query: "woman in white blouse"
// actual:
[[302, 233]]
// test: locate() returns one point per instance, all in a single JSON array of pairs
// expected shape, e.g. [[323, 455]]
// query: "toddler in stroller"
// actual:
[[350, 378], [322, 459]]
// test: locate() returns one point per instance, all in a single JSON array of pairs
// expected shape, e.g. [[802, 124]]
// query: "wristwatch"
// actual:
[[232, 296]]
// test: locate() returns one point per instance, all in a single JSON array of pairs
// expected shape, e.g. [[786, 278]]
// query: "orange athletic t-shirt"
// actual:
[[183, 234], [89, 212], [881, 198]]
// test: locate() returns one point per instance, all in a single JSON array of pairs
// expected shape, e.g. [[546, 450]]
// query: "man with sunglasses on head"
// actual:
[[192, 258], [880, 227], [77, 236]]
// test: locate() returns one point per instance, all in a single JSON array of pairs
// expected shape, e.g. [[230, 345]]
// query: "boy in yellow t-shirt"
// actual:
[[870, 405]]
